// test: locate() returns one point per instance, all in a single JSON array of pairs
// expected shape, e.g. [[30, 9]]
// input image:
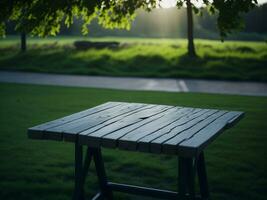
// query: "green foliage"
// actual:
[[228, 12], [140, 57], [229, 16], [44, 17]]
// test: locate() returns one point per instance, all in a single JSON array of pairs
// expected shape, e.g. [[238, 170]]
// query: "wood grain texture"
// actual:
[[196, 143], [140, 127], [170, 146], [171, 130], [36, 132], [129, 140], [117, 130]]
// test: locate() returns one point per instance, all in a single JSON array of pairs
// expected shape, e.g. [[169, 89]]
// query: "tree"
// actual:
[[228, 16], [23, 45], [44, 17], [190, 36]]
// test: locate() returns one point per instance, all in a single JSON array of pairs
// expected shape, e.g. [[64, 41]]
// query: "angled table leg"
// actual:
[[80, 171], [87, 162], [202, 177], [101, 174]]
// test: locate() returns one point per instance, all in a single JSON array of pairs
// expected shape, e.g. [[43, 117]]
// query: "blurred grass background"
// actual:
[[33, 169], [142, 57]]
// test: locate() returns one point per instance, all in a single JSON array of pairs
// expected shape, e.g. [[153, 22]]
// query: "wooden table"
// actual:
[[160, 129]]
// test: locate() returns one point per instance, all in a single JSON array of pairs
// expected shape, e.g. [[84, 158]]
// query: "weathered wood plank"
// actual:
[[75, 127], [144, 127], [156, 144], [129, 141], [144, 143], [95, 116], [235, 119], [170, 146], [195, 144], [110, 140], [93, 137], [117, 119], [36, 132]]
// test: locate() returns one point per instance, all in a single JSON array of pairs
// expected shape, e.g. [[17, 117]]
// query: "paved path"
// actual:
[[153, 84]]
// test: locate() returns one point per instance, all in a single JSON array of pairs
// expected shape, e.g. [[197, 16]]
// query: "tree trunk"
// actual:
[[190, 37], [23, 45]]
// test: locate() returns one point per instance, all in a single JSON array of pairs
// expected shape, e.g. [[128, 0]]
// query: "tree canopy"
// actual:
[[229, 12], [44, 17]]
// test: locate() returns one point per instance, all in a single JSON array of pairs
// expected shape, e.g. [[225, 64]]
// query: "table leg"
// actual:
[[81, 170], [202, 177], [186, 181], [102, 178], [191, 172], [86, 165], [78, 188]]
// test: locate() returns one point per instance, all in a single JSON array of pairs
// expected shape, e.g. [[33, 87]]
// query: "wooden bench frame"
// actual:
[[187, 169]]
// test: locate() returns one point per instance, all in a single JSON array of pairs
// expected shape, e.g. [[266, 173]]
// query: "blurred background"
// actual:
[[171, 23], [45, 78], [154, 46]]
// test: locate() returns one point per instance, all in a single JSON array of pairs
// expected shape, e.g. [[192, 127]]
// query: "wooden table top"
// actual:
[[151, 128]]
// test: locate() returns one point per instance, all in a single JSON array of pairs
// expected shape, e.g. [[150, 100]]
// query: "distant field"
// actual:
[[144, 57]]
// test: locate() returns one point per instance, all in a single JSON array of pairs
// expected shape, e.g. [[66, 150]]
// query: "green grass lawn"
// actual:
[[43, 170], [144, 57]]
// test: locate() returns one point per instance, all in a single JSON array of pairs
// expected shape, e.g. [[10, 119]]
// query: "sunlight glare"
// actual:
[[167, 3], [198, 3], [172, 3]]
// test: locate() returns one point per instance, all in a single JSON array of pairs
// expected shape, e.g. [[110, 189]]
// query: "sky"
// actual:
[[171, 3]]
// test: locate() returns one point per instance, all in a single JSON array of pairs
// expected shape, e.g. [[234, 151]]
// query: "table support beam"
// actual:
[[81, 171], [101, 174], [144, 191], [187, 169], [98, 196]]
